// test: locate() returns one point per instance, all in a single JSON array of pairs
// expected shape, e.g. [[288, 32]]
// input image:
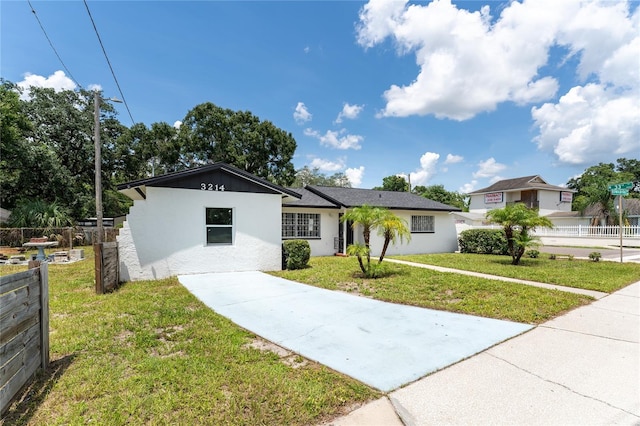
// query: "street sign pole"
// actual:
[[620, 223]]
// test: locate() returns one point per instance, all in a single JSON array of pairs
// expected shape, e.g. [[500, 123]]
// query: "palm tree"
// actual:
[[517, 221], [369, 218], [392, 228]]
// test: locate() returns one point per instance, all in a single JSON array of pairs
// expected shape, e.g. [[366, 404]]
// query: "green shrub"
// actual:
[[533, 254], [552, 257], [295, 254], [483, 241], [595, 256]]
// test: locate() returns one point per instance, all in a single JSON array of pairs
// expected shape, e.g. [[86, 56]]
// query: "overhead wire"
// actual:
[[52, 46], [109, 62]]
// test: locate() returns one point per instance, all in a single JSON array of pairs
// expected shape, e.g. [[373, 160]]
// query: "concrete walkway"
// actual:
[[582, 368], [592, 293]]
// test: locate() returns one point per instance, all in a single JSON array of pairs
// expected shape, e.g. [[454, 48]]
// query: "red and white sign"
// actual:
[[566, 197], [493, 197]]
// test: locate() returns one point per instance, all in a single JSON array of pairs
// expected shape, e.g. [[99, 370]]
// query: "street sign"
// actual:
[[625, 185], [617, 191]]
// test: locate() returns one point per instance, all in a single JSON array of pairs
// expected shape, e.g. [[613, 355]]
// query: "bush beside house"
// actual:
[[483, 241], [295, 254]]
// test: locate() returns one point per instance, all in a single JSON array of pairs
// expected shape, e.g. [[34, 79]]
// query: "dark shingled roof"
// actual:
[[353, 197], [521, 183], [308, 199]]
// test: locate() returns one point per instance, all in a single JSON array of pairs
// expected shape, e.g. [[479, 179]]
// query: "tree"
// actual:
[[392, 228], [308, 176], [441, 195], [394, 183], [593, 189], [518, 221], [39, 214], [389, 226], [210, 134]]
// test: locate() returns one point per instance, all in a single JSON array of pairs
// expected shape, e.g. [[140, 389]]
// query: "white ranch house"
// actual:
[[218, 218]]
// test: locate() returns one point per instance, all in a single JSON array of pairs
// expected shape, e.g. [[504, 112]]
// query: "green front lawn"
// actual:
[[600, 276], [151, 353], [446, 291]]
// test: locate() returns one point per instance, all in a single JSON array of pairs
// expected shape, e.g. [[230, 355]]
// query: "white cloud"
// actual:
[[469, 62], [177, 124], [327, 165], [306, 49], [301, 113], [349, 111], [453, 159], [338, 140], [57, 81], [355, 175], [468, 187], [489, 168], [427, 170]]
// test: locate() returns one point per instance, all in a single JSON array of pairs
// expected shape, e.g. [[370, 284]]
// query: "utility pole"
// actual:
[[98, 166]]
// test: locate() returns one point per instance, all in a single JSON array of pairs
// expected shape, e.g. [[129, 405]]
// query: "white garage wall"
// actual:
[[165, 234]]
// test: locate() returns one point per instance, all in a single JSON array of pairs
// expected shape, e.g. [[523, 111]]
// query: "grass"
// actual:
[[600, 276], [151, 353], [446, 291]]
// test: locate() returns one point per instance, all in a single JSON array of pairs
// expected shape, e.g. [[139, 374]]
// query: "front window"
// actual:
[[219, 223], [300, 225], [422, 224]]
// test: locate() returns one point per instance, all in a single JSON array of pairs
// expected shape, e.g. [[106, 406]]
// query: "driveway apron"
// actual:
[[382, 344]]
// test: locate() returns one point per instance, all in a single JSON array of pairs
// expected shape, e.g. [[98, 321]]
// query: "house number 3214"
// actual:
[[211, 187]]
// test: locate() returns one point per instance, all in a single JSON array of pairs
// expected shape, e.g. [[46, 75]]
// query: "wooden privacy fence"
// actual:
[[24, 329], [107, 275]]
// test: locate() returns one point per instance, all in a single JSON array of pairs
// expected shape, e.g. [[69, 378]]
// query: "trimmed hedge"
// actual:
[[295, 254], [483, 241]]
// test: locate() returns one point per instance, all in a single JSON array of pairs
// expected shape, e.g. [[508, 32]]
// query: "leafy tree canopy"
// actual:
[[592, 188], [393, 183], [441, 195], [313, 176]]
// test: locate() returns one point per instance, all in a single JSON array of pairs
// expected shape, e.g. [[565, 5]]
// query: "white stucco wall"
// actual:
[[165, 234], [443, 240], [322, 246], [550, 202]]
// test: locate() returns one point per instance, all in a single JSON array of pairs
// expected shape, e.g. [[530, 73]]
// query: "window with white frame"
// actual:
[[300, 225], [423, 224], [219, 224]]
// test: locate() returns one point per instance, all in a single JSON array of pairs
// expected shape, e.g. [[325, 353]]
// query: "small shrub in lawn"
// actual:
[[595, 256], [296, 254], [533, 254], [483, 241], [552, 257]]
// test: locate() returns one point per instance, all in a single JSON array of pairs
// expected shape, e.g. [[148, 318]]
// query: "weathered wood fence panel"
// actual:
[[24, 329], [107, 263]]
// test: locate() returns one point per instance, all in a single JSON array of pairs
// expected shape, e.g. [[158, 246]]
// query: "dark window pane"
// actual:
[[219, 216], [219, 235]]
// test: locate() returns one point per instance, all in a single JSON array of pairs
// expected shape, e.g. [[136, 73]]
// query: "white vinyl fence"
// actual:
[[588, 231]]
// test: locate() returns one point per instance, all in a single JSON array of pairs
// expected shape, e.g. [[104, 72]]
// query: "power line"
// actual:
[[109, 62], [52, 46]]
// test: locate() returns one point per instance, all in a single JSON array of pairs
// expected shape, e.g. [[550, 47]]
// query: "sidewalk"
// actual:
[[580, 368]]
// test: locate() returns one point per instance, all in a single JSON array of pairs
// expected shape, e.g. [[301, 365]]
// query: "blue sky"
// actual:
[[454, 93]]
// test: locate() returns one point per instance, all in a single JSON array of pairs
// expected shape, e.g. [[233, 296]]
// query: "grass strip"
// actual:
[[438, 290], [600, 276]]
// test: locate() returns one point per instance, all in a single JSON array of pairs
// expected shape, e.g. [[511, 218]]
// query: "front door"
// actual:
[[341, 234]]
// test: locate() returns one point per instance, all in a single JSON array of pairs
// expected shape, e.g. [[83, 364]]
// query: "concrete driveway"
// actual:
[[384, 345]]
